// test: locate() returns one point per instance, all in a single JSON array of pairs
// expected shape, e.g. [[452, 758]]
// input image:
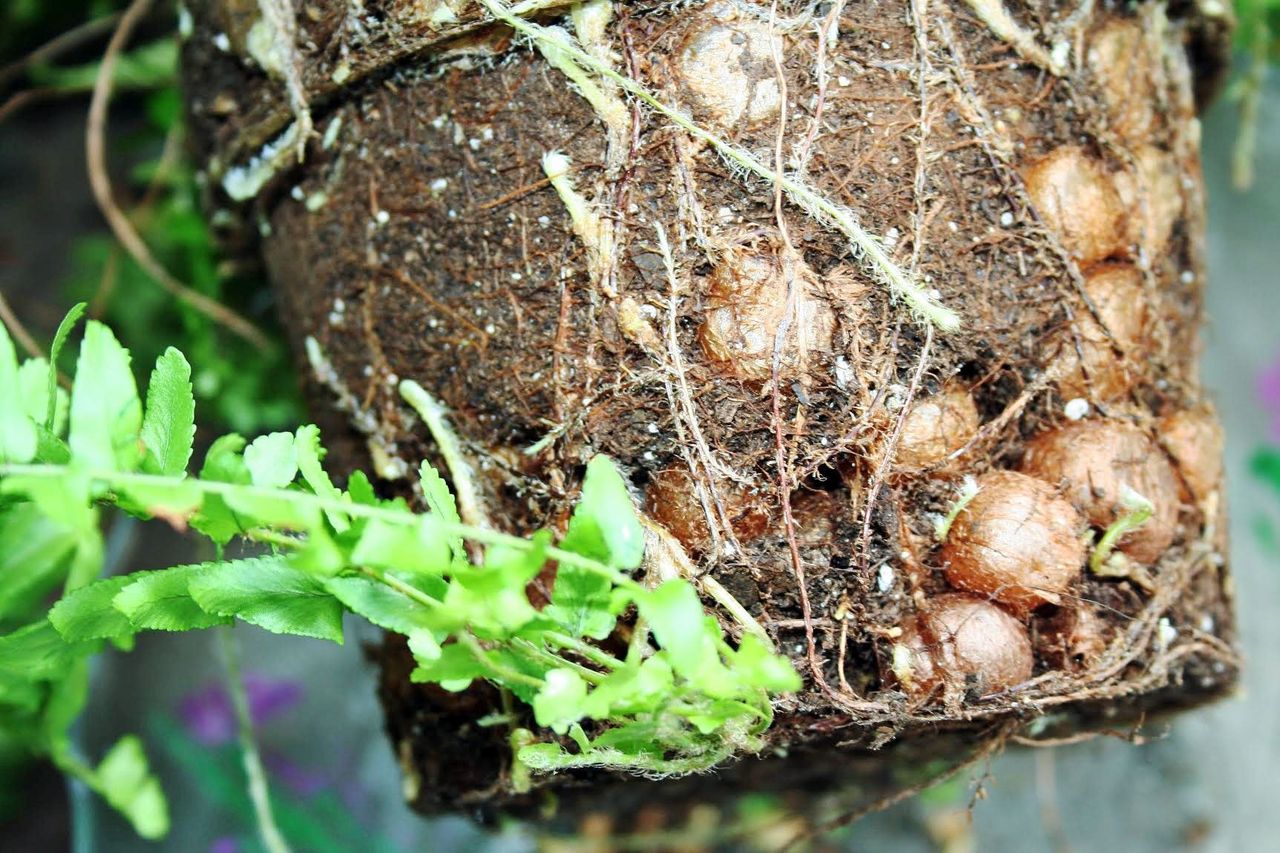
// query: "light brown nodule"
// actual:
[[1078, 200], [963, 643], [747, 294], [936, 426], [1094, 461], [1095, 370], [1016, 541], [1193, 437]]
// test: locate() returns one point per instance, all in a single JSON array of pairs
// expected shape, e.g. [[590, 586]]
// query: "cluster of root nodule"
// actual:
[[793, 427]]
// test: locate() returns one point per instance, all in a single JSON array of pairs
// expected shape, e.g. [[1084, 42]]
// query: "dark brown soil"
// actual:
[[422, 240]]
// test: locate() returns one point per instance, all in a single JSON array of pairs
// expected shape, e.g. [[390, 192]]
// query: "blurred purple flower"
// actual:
[[1269, 395], [294, 777], [209, 717], [225, 844]]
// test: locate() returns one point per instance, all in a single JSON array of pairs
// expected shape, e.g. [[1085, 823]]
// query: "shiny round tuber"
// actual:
[[1079, 202], [1096, 461], [1016, 541], [963, 644]]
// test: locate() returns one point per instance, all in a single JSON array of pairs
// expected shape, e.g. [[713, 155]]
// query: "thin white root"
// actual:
[[435, 415], [595, 231], [1001, 23]]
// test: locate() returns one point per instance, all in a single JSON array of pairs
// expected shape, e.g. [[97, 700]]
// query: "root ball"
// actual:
[[1016, 541], [1079, 201], [1094, 461]]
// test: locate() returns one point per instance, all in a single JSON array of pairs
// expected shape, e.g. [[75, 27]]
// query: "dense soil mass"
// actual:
[[796, 429]]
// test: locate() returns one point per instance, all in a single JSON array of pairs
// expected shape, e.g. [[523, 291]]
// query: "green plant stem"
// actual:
[[588, 651], [534, 653], [483, 535], [511, 676], [1244, 151], [259, 794]]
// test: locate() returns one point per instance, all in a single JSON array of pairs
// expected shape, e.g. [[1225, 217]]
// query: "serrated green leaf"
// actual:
[[33, 379], [17, 430], [634, 689], [106, 415], [424, 646], [453, 668], [55, 351], [604, 525], [272, 460], [88, 614], [581, 602], [64, 499], [269, 593], [36, 652], [162, 600], [441, 503], [309, 453], [757, 666], [688, 636], [360, 490], [125, 781], [169, 423], [560, 702], [418, 547], [382, 605], [225, 464], [492, 599]]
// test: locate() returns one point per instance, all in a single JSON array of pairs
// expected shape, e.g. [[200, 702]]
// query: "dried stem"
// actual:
[[100, 181]]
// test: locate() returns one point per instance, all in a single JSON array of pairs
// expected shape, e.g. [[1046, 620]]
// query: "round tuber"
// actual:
[[1152, 192], [725, 69], [1078, 200], [672, 500], [936, 426], [1123, 68], [964, 644], [1095, 370], [1095, 461], [1193, 438], [1016, 541], [746, 305]]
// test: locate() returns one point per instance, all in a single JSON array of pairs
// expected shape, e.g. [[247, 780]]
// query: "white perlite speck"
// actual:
[[884, 578], [1076, 408]]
